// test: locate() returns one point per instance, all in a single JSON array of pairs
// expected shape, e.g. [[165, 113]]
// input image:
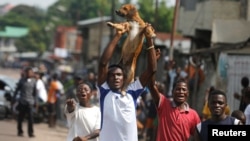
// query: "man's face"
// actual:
[[180, 93], [30, 74], [217, 105], [115, 78]]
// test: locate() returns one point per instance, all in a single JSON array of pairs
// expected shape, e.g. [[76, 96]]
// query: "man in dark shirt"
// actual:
[[26, 88], [217, 102]]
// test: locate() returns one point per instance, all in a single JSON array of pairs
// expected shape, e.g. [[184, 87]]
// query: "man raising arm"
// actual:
[[118, 111]]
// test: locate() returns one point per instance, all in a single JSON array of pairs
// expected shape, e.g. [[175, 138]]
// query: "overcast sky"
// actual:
[[38, 3], [45, 3]]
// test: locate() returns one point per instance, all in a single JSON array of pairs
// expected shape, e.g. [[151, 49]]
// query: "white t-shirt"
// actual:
[[83, 121], [247, 114], [119, 113], [41, 90]]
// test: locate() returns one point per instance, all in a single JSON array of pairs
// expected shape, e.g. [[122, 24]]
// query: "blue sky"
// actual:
[[45, 3]]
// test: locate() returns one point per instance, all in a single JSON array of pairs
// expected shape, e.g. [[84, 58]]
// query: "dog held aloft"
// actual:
[[132, 46]]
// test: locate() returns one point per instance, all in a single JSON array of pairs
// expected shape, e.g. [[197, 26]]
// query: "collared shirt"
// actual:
[[175, 124], [185, 104]]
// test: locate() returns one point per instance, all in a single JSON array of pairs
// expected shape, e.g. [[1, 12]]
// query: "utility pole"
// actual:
[[112, 18], [171, 48], [156, 13]]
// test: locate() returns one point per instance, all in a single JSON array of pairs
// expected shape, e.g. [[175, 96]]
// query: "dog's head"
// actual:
[[127, 11]]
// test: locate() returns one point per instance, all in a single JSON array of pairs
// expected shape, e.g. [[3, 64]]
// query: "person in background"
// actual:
[[53, 96], [239, 115], [42, 95], [83, 118], [72, 91], [91, 78], [171, 76], [118, 110], [180, 74], [206, 114], [26, 88], [195, 77], [247, 102], [244, 84], [140, 116], [217, 102]]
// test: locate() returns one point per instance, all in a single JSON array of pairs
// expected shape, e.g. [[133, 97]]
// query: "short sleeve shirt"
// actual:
[[119, 113], [175, 124]]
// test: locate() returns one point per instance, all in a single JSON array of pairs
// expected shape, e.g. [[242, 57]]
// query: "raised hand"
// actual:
[[158, 54], [70, 105], [149, 31]]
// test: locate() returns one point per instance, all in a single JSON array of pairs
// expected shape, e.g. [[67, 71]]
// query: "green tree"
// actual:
[[32, 18], [75, 10], [160, 18], [164, 17], [42, 24]]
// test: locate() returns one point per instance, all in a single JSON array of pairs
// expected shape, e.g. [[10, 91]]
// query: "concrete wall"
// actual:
[[98, 36], [205, 13]]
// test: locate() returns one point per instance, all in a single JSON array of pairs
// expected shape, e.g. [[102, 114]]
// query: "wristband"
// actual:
[[150, 47]]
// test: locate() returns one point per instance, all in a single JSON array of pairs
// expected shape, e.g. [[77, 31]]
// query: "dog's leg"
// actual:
[[122, 27], [129, 71]]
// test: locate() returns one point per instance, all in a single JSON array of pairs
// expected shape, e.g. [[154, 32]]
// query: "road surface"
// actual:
[[14, 73], [42, 132]]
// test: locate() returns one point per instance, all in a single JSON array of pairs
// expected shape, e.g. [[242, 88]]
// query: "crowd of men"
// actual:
[[96, 108]]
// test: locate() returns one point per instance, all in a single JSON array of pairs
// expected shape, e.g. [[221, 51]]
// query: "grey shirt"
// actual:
[[26, 87]]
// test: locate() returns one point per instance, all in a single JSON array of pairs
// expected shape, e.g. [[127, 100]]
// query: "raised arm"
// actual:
[[153, 85], [106, 56], [152, 65]]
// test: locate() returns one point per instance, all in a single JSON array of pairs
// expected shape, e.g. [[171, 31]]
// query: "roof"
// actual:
[[5, 8], [167, 36], [223, 47], [14, 32], [93, 21]]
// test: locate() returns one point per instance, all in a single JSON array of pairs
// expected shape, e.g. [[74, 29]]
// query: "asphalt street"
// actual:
[[8, 129]]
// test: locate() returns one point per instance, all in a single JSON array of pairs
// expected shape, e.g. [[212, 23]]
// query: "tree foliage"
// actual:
[[32, 18], [160, 16], [75, 10]]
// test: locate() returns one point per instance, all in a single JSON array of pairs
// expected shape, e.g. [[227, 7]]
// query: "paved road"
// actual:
[[14, 73], [8, 132]]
